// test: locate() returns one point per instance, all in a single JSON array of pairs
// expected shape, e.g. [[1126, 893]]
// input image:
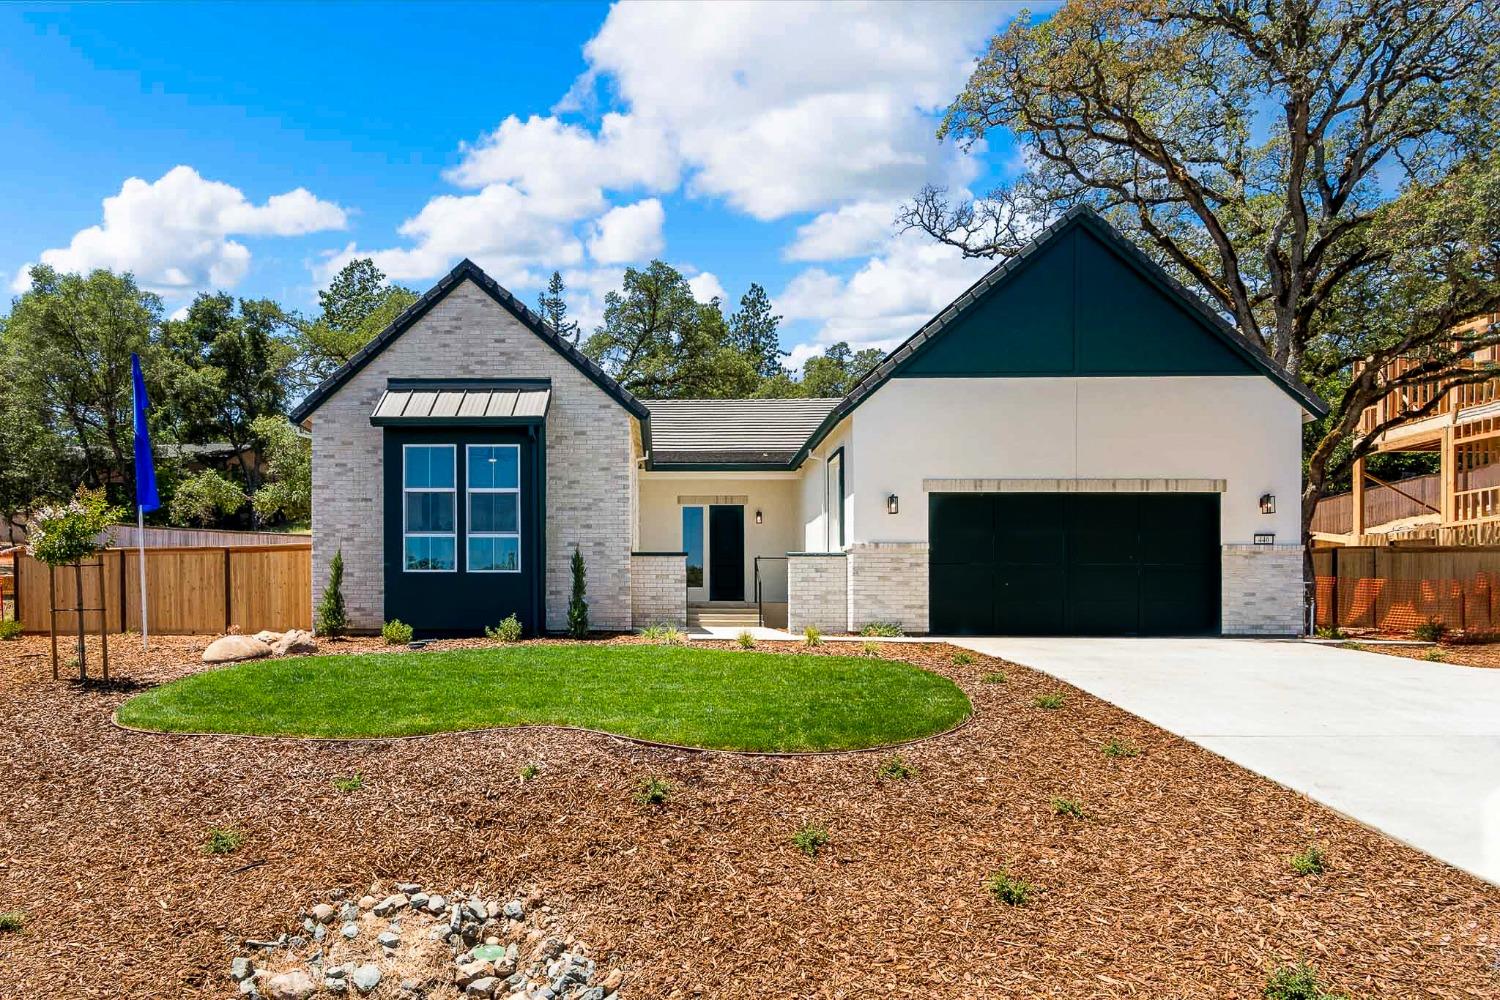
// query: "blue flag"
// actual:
[[145, 470]]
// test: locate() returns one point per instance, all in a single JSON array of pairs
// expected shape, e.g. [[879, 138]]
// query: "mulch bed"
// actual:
[[1463, 654], [1177, 885]]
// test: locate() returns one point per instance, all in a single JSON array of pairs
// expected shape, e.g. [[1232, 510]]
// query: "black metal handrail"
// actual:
[[760, 604]]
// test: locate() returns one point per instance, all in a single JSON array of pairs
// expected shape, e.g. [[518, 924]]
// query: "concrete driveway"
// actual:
[[1409, 747]]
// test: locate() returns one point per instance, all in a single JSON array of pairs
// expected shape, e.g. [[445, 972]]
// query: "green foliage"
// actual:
[[1431, 630], [1298, 982], [206, 498], [578, 607], [509, 629], [1050, 701], [811, 838], [963, 658], [745, 639], [396, 632], [355, 307], [994, 677], [528, 771], [66, 533], [287, 491], [1434, 654], [882, 629], [653, 792], [9, 629], [811, 636], [894, 768], [12, 921], [1071, 808], [838, 370], [1309, 861], [1008, 889], [223, 840], [1329, 632], [670, 635], [349, 784], [1119, 749], [332, 618], [870, 648], [553, 306]]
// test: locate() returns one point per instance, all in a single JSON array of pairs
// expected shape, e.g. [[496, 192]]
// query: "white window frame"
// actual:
[[833, 494], [470, 490], [407, 491]]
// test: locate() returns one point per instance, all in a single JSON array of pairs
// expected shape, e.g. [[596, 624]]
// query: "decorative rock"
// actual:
[[366, 978], [233, 648], [489, 951], [409, 888], [335, 985], [241, 969], [350, 930], [297, 943], [266, 636], [469, 972], [348, 912], [389, 939], [612, 981], [436, 904], [367, 902], [295, 641], [391, 904], [294, 985], [482, 987], [515, 910], [323, 913], [419, 900]]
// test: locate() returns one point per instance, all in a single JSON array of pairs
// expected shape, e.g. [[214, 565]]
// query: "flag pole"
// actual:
[[140, 541]]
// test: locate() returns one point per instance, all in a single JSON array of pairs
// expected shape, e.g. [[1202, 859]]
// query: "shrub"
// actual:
[[578, 607], [664, 634], [1009, 890], [653, 792], [1119, 748], [333, 619], [870, 648], [811, 636], [893, 768], [1050, 701], [12, 921], [1434, 654], [9, 629], [509, 629], [395, 632], [996, 677], [527, 772], [351, 784], [1309, 861], [223, 840], [205, 498], [810, 839], [963, 658], [1071, 808], [745, 639], [68, 533], [1430, 631], [1298, 982], [885, 629], [1328, 632]]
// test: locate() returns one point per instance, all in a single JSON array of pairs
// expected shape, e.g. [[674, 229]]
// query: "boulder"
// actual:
[[267, 636], [295, 641], [232, 648]]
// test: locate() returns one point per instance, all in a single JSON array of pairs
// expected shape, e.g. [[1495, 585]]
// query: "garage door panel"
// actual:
[[961, 528], [1029, 528], [968, 589]]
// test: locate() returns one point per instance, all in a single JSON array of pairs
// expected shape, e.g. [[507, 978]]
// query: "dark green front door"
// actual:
[[1074, 563]]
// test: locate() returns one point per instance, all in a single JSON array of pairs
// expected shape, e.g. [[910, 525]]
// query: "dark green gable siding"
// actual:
[[1077, 307]]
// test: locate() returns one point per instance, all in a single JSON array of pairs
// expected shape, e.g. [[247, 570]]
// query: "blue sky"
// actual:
[[258, 147]]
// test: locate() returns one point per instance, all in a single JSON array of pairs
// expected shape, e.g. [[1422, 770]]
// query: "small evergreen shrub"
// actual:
[[1050, 701], [1008, 889], [1070, 808], [1119, 749], [745, 639], [395, 632], [12, 921], [963, 658], [509, 629], [527, 772], [1431, 630], [885, 629], [1309, 861], [351, 784], [1298, 982], [893, 768], [996, 677], [810, 839], [578, 606], [223, 840], [333, 619], [9, 629], [653, 792], [811, 636]]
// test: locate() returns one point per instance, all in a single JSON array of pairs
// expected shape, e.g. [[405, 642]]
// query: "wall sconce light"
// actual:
[[757, 517], [1267, 503], [892, 504]]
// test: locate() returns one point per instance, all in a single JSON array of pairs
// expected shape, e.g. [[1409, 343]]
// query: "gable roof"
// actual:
[[732, 433], [466, 269], [1078, 216]]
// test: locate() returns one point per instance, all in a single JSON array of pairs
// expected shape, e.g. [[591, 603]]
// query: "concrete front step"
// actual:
[[724, 621]]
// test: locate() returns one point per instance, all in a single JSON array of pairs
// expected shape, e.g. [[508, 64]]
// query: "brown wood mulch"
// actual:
[[1176, 885], [1485, 655]]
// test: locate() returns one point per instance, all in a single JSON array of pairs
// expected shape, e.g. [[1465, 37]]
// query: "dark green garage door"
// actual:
[[1074, 563]]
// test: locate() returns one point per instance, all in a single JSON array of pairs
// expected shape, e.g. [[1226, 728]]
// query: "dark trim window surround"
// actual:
[[835, 494], [429, 530]]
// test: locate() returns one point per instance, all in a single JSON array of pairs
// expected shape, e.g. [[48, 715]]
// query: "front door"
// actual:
[[726, 552]]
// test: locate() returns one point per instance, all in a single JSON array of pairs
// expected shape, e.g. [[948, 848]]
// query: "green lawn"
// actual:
[[676, 694]]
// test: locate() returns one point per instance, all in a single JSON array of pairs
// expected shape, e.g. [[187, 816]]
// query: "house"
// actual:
[[1076, 445]]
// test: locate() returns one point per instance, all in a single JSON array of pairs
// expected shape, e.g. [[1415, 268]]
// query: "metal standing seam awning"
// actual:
[[462, 404]]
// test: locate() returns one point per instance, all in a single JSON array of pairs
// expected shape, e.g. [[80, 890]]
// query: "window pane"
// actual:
[[692, 543], [836, 501], [429, 466], [494, 511], [492, 555], [430, 554], [429, 511], [493, 467]]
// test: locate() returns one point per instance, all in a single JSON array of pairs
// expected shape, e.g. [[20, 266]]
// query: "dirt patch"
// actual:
[[1177, 882], [1461, 654]]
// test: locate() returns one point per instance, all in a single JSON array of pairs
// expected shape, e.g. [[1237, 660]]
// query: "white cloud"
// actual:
[[629, 234], [175, 233], [706, 286], [847, 231]]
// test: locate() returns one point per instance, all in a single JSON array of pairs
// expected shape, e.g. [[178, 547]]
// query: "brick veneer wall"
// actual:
[[817, 586], [1261, 592], [658, 589], [888, 583], [468, 335]]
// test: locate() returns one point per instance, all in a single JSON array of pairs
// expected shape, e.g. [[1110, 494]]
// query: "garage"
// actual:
[[1074, 563]]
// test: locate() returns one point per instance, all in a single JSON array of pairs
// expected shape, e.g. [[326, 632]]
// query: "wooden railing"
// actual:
[[1405, 498], [1399, 402], [1470, 506]]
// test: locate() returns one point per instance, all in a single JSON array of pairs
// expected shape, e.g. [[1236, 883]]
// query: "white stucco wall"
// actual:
[[812, 488], [1244, 430]]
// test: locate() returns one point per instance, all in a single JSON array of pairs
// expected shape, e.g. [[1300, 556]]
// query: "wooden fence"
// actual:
[[192, 590], [1397, 589]]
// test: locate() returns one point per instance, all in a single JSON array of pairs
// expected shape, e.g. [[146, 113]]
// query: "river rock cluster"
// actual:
[[403, 942]]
